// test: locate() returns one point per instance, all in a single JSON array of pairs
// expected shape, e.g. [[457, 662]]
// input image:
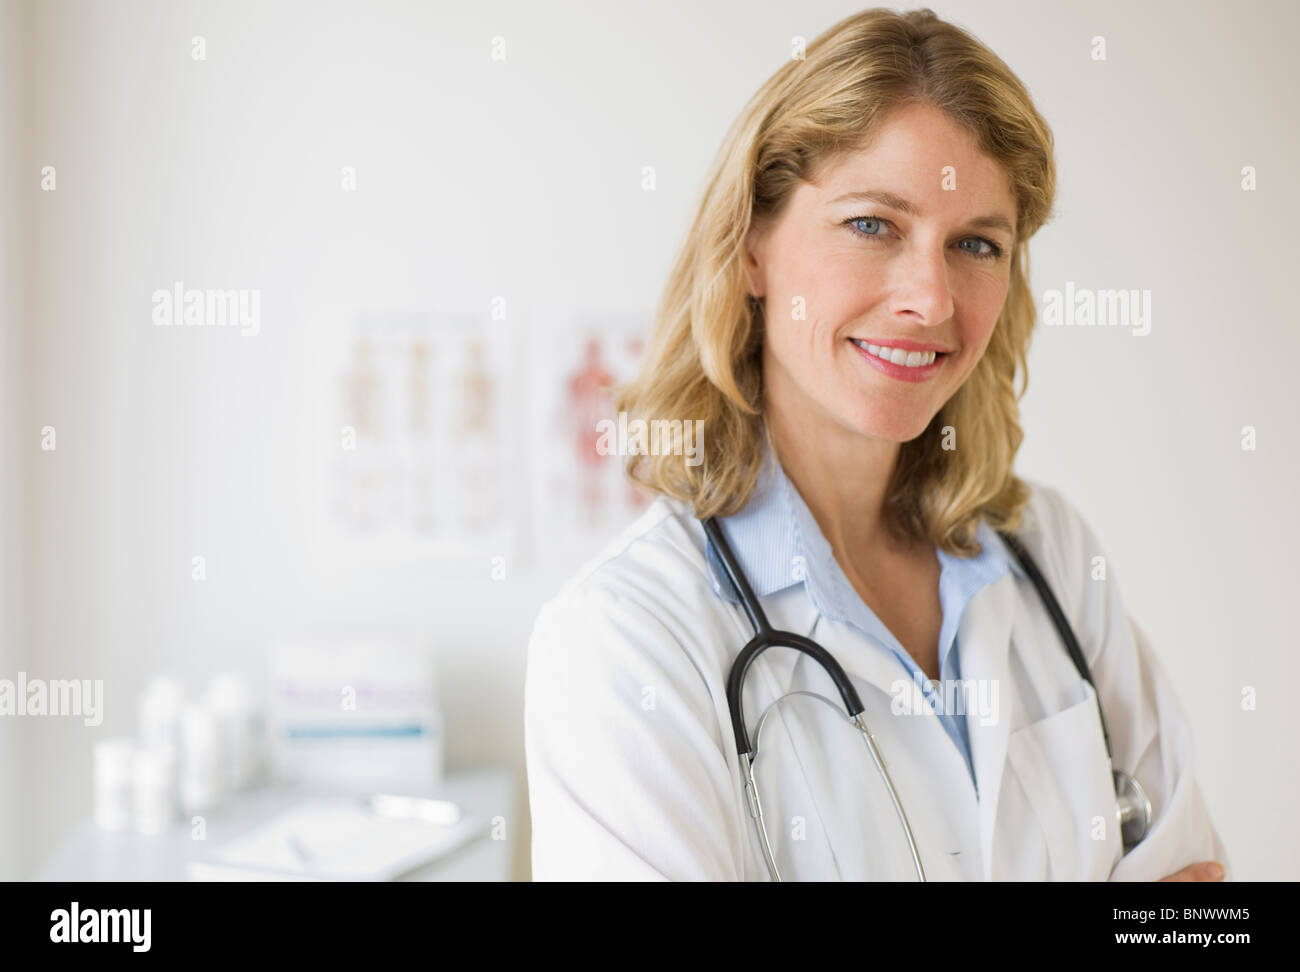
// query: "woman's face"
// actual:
[[905, 246]]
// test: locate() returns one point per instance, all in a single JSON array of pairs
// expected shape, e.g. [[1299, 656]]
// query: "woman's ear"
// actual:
[[753, 262]]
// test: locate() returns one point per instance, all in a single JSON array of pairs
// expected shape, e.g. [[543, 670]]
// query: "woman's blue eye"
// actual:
[[992, 252], [867, 219], [875, 223]]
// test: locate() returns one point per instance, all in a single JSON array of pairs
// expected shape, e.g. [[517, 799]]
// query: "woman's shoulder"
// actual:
[[1061, 541], [652, 577], [663, 545], [1049, 517]]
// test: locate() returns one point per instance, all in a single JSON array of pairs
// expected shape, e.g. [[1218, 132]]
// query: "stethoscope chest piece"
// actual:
[[1133, 809]]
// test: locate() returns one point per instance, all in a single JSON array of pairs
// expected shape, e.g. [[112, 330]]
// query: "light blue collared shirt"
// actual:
[[778, 542]]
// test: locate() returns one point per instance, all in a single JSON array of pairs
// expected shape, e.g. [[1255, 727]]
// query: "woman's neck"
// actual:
[[842, 476]]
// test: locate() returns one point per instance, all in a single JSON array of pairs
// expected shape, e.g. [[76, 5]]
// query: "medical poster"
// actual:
[[584, 495], [424, 465]]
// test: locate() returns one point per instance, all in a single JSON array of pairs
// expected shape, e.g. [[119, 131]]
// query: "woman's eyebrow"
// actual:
[[894, 201]]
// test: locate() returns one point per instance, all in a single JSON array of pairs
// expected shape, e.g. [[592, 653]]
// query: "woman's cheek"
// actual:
[[787, 339]]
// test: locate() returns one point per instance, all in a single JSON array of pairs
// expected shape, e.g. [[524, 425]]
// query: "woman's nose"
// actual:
[[920, 284]]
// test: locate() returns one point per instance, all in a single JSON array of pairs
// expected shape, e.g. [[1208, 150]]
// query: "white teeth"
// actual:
[[909, 359]]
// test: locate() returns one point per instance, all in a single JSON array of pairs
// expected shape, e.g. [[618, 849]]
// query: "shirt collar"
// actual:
[[778, 544]]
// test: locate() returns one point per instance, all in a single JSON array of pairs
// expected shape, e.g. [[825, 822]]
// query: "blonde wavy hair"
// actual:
[[704, 359]]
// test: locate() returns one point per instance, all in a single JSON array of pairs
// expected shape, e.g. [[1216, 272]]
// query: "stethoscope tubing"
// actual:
[[765, 636]]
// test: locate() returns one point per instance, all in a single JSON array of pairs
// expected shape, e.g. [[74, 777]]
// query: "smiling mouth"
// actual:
[[900, 356]]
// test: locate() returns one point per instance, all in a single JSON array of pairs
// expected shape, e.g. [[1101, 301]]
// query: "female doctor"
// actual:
[[846, 318]]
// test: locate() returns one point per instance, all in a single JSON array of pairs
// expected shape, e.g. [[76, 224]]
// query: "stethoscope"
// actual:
[[1132, 808]]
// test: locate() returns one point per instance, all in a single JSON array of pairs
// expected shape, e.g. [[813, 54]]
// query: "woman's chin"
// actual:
[[890, 428]]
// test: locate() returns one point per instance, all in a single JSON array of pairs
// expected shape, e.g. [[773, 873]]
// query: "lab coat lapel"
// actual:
[[849, 850], [984, 639], [798, 614], [863, 661], [852, 852]]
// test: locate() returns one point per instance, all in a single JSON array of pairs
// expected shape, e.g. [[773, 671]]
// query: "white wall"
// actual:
[[523, 178], [17, 440]]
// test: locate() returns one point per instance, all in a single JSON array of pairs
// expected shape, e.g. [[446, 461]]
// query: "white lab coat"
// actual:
[[632, 769]]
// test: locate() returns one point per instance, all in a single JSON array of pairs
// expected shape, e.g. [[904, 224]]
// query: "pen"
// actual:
[[395, 807]]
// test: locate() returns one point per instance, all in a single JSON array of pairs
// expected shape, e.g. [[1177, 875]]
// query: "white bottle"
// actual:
[[159, 714], [238, 725], [155, 789], [114, 768], [202, 780]]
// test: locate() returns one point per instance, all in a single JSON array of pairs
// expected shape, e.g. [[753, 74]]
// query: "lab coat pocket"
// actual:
[[1062, 767]]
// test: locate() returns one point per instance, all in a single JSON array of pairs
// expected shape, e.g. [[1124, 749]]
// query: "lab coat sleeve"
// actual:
[[1150, 735], [627, 775]]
